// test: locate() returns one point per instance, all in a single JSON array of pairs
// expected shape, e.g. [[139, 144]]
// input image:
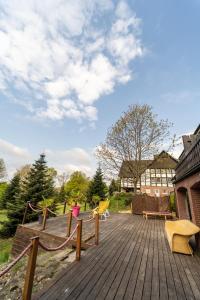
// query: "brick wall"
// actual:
[[191, 185]]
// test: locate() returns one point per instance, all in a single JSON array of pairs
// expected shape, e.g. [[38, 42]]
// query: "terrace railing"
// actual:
[[190, 161], [32, 249]]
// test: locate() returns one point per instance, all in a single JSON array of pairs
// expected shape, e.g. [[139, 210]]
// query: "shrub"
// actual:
[[121, 199], [172, 199]]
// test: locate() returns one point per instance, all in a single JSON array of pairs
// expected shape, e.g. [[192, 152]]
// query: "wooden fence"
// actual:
[[144, 202]]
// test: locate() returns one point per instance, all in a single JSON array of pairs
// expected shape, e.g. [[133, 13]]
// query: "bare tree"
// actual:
[[62, 178], [136, 136], [24, 171]]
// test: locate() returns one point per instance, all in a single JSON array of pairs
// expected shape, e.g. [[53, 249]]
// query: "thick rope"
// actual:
[[35, 210], [89, 220], [61, 246], [7, 269], [51, 212]]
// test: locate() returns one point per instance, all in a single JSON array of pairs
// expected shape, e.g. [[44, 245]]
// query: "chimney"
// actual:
[[187, 141]]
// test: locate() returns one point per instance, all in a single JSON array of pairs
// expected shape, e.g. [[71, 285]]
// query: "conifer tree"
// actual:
[[97, 186], [39, 182], [113, 187], [15, 207], [12, 191]]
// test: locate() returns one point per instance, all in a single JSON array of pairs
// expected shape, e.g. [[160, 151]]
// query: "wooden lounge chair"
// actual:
[[178, 235], [102, 209]]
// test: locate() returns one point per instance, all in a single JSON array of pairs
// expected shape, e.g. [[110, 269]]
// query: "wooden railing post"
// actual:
[[64, 208], [30, 272], [78, 240], [45, 212], [96, 229], [25, 212], [69, 222]]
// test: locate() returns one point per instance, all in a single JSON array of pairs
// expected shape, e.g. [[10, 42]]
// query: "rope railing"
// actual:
[[33, 247], [62, 245], [89, 220], [94, 218], [52, 212], [36, 243], [33, 209], [37, 210], [13, 263]]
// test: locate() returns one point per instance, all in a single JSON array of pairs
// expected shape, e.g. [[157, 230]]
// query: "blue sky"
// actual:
[[68, 69]]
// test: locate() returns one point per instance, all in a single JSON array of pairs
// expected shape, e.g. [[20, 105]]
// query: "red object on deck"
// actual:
[[76, 211]]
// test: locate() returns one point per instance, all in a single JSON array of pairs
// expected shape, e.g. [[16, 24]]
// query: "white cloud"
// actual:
[[60, 57], [67, 160], [7, 148]]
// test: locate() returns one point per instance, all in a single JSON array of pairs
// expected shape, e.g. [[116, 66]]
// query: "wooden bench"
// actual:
[[164, 214], [178, 235]]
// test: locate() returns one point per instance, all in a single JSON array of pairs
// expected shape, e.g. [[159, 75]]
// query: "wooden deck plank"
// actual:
[[149, 269], [101, 272], [113, 281], [155, 273], [98, 269], [125, 279], [134, 273], [161, 266], [133, 261], [190, 276], [93, 256], [113, 268], [168, 271], [186, 285], [142, 270]]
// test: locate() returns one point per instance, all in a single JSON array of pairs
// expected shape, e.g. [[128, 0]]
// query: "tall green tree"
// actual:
[[39, 183], [77, 186], [12, 191], [61, 194], [97, 186], [15, 207], [113, 187], [3, 188]]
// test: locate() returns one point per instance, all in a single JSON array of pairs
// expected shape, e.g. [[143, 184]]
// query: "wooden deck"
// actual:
[[133, 261], [58, 226]]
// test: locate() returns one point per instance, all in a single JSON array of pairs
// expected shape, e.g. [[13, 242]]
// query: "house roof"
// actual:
[[162, 161], [127, 166]]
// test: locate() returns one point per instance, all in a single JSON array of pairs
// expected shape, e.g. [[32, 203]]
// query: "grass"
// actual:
[[59, 208], [5, 244], [118, 205], [5, 248], [3, 216]]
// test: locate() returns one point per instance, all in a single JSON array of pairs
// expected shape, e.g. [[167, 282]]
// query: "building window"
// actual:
[[164, 181]]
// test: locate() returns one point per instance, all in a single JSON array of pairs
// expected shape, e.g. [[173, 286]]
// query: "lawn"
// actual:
[[59, 208], [5, 244], [118, 205], [3, 216], [5, 248]]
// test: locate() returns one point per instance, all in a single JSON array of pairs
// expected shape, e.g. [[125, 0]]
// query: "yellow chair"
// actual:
[[178, 235], [102, 209]]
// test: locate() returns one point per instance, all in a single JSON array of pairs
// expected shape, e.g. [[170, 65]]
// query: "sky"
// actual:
[[70, 68]]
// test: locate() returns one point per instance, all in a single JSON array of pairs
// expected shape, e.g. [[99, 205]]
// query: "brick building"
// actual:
[[156, 176], [187, 179]]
